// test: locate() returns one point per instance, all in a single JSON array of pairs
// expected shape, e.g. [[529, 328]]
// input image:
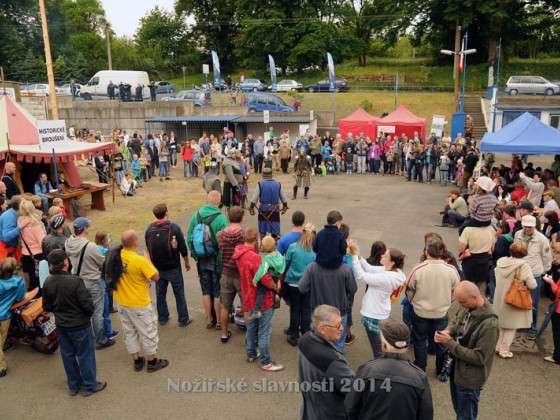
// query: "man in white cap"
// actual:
[[539, 258]]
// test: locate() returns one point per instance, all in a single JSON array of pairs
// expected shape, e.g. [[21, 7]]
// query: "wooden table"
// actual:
[[96, 190]]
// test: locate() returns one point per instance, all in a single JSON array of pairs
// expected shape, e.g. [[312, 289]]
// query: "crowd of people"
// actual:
[[464, 310]]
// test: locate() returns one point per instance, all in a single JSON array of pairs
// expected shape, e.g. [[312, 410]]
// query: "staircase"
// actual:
[[473, 108]]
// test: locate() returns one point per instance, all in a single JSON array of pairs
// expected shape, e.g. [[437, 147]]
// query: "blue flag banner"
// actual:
[[272, 72], [332, 77], [216, 67]]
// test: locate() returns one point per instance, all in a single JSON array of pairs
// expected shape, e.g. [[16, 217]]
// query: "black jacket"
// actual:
[[66, 296], [389, 388], [323, 368], [11, 186], [330, 247]]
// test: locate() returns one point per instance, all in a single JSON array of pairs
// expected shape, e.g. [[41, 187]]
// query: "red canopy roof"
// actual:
[[358, 122], [403, 116], [360, 115]]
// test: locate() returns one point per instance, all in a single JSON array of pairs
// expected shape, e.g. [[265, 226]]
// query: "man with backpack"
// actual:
[[88, 263], [166, 244], [201, 239]]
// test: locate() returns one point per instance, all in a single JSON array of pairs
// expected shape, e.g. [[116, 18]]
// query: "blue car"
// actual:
[[341, 85], [258, 102], [252, 85]]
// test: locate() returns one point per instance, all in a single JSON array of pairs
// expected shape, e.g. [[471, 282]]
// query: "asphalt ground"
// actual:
[[375, 208]]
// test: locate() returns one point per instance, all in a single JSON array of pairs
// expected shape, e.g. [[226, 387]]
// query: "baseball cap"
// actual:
[[526, 205], [81, 223], [396, 333], [485, 183], [57, 221], [528, 221]]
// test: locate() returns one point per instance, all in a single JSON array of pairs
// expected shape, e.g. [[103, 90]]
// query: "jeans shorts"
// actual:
[[230, 285], [209, 282]]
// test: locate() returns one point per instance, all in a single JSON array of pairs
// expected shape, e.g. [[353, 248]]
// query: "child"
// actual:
[[348, 160], [273, 263], [12, 289], [144, 159], [102, 240], [444, 169], [57, 202], [136, 169]]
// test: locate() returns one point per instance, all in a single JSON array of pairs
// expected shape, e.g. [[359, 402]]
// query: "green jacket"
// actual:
[[216, 226], [473, 360], [271, 264]]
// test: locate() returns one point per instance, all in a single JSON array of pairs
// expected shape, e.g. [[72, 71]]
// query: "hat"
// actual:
[[528, 221], [56, 257], [57, 221], [81, 223], [267, 171], [396, 333], [485, 183], [526, 205]]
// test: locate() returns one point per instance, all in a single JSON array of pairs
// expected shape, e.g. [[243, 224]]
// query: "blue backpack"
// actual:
[[203, 243]]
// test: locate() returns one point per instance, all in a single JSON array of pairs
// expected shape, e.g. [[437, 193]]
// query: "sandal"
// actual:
[[210, 325], [226, 338], [218, 326]]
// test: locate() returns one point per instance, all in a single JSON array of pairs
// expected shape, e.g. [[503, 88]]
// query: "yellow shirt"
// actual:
[[133, 287], [478, 239]]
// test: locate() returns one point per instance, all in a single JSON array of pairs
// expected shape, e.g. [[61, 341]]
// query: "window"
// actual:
[[555, 121], [94, 81], [537, 80]]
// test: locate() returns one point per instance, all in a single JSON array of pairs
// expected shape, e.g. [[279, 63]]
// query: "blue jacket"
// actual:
[[330, 247], [11, 290], [9, 231], [42, 189]]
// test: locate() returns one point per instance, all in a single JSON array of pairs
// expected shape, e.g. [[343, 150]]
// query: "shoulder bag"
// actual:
[[518, 295]]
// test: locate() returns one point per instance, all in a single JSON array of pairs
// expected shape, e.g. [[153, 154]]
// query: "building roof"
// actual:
[[256, 117], [193, 118], [532, 107]]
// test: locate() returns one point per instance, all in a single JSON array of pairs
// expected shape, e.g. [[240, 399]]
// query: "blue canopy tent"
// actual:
[[525, 135]]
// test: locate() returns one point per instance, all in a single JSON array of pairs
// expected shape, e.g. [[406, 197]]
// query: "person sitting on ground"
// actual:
[[410, 396], [128, 185], [12, 289], [273, 263], [456, 210]]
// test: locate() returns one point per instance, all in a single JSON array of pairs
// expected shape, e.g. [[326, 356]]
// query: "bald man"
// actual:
[[206, 254], [8, 179], [132, 294], [471, 340]]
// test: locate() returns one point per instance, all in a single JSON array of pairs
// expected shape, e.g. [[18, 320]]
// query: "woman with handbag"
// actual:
[[32, 233], [512, 298]]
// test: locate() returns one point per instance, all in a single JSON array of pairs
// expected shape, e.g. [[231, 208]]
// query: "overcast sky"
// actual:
[[125, 14]]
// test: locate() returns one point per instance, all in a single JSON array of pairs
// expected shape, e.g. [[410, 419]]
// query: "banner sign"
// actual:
[[438, 124], [266, 116], [332, 76], [51, 133], [272, 66], [205, 69], [387, 129], [216, 67]]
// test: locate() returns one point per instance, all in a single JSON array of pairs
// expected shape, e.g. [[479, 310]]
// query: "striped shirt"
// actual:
[[483, 207]]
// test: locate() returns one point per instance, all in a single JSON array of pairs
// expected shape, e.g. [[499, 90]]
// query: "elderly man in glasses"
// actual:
[[324, 375]]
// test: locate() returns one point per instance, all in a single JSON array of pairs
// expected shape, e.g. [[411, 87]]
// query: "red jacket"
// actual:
[[248, 260]]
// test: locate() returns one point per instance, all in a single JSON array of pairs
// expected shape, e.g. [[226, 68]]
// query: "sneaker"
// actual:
[[551, 360], [272, 367], [108, 343], [99, 386], [139, 364], [73, 392], [349, 339], [292, 341], [505, 354], [531, 335], [113, 335], [157, 364]]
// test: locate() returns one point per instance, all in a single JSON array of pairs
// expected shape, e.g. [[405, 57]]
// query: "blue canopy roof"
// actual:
[[524, 135]]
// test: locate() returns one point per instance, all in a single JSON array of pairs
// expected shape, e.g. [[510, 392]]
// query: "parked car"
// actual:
[[64, 90], [258, 102], [535, 85], [37, 89], [341, 85], [288, 85], [97, 85], [252, 85], [197, 97], [164, 87]]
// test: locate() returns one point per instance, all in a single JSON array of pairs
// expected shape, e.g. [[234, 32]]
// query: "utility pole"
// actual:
[[48, 60], [456, 79], [108, 38]]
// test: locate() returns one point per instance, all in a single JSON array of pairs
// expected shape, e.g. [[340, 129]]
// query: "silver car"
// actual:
[[534, 85]]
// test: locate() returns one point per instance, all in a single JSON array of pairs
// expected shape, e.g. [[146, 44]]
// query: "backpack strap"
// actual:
[[82, 252]]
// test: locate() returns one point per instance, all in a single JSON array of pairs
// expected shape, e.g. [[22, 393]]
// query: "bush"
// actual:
[[366, 105]]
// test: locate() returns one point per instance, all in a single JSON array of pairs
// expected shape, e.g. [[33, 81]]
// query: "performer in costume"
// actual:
[[268, 194], [232, 179], [302, 172]]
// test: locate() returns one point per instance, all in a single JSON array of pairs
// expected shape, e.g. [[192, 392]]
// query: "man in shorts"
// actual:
[[230, 284]]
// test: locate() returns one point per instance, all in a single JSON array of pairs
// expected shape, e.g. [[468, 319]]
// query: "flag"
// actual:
[[332, 76], [272, 72], [462, 56], [216, 69]]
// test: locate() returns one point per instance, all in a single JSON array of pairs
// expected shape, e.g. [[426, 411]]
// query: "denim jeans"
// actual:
[[173, 157], [164, 169], [444, 177], [376, 165], [455, 218], [175, 277], [339, 345], [375, 342], [465, 401], [258, 334], [300, 311], [78, 357], [97, 292], [422, 328], [107, 326], [535, 295], [187, 168]]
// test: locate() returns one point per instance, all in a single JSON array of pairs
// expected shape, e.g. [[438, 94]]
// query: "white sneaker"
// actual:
[[550, 359], [272, 367]]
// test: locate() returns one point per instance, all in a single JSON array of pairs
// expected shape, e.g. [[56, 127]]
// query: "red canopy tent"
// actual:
[[358, 122], [403, 122], [19, 140]]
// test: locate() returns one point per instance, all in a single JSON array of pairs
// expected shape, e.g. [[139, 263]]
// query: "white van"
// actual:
[[97, 85]]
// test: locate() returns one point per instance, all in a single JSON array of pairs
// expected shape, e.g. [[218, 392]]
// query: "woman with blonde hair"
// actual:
[[32, 232], [509, 270], [298, 256]]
